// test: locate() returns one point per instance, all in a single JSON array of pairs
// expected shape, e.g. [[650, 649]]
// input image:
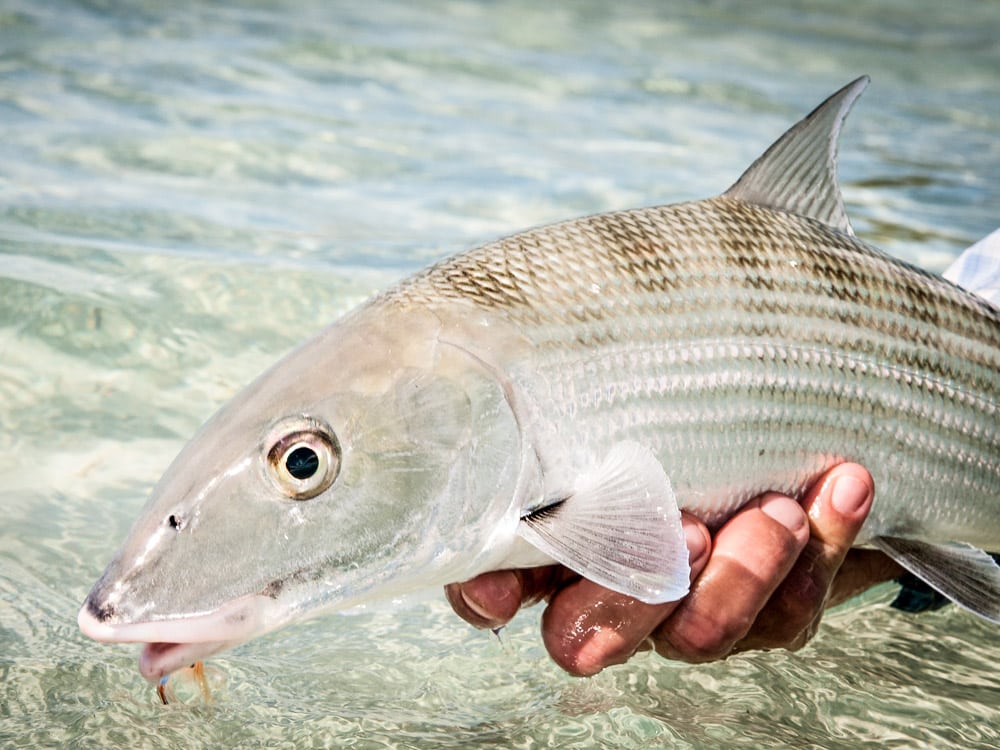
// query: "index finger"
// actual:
[[587, 627]]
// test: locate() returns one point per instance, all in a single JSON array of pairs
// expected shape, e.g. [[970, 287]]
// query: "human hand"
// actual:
[[762, 582]]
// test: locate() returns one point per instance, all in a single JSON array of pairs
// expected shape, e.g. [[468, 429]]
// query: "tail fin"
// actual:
[[978, 268]]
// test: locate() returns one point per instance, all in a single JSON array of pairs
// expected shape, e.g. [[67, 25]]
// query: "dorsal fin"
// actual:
[[799, 172]]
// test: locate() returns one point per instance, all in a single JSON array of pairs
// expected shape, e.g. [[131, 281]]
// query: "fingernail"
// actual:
[[476, 607], [850, 494], [785, 511], [484, 602], [697, 544]]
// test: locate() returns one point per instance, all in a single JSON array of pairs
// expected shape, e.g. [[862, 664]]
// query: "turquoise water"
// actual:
[[187, 192]]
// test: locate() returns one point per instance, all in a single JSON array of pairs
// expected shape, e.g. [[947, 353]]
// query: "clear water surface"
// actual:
[[188, 189]]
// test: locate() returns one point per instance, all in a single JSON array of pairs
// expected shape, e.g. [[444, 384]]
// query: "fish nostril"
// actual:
[[103, 613], [175, 522]]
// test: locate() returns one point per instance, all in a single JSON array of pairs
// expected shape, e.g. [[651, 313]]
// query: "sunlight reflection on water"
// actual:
[[187, 193]]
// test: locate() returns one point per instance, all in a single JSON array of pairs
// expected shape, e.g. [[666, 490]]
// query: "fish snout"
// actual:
[[97, 621], [102, 612]]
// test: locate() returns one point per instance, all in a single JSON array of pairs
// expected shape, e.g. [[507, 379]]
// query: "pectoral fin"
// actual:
[[965, 574], [619, 527]]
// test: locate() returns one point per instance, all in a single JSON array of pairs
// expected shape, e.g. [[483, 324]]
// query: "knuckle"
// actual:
[[789, 620], [794, 608], [570, 663], [585, 660], [574, 658], [781, 633], [588, 664], [584, 642], [800, 599], [703, 638]]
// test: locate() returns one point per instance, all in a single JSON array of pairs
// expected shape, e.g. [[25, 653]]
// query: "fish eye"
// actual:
[[304, 462]]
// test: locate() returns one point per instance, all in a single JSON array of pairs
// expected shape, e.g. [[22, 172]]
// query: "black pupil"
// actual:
[[302, 462]]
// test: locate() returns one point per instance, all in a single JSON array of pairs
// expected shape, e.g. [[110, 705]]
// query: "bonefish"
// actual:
[[561, 395]]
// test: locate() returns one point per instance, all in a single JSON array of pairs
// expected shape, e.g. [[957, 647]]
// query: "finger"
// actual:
[[752, 553], [492, 599], [587, 627], [862, 569], [837, 506], [487, 601]]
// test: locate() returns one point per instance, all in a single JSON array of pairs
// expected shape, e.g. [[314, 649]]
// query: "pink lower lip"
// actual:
[[172, 644], [160, 659]]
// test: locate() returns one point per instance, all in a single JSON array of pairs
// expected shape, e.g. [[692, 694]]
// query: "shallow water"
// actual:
[[185, 193]]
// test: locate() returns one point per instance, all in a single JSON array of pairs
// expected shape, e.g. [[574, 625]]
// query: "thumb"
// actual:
[[491, 600]]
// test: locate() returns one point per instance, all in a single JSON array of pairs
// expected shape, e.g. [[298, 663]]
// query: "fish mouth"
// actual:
[[174, 643], [160, 659]]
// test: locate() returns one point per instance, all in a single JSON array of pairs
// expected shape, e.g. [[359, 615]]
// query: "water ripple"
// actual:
[[188, 190]]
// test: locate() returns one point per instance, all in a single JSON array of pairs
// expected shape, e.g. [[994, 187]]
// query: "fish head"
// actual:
[[373, 461]]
